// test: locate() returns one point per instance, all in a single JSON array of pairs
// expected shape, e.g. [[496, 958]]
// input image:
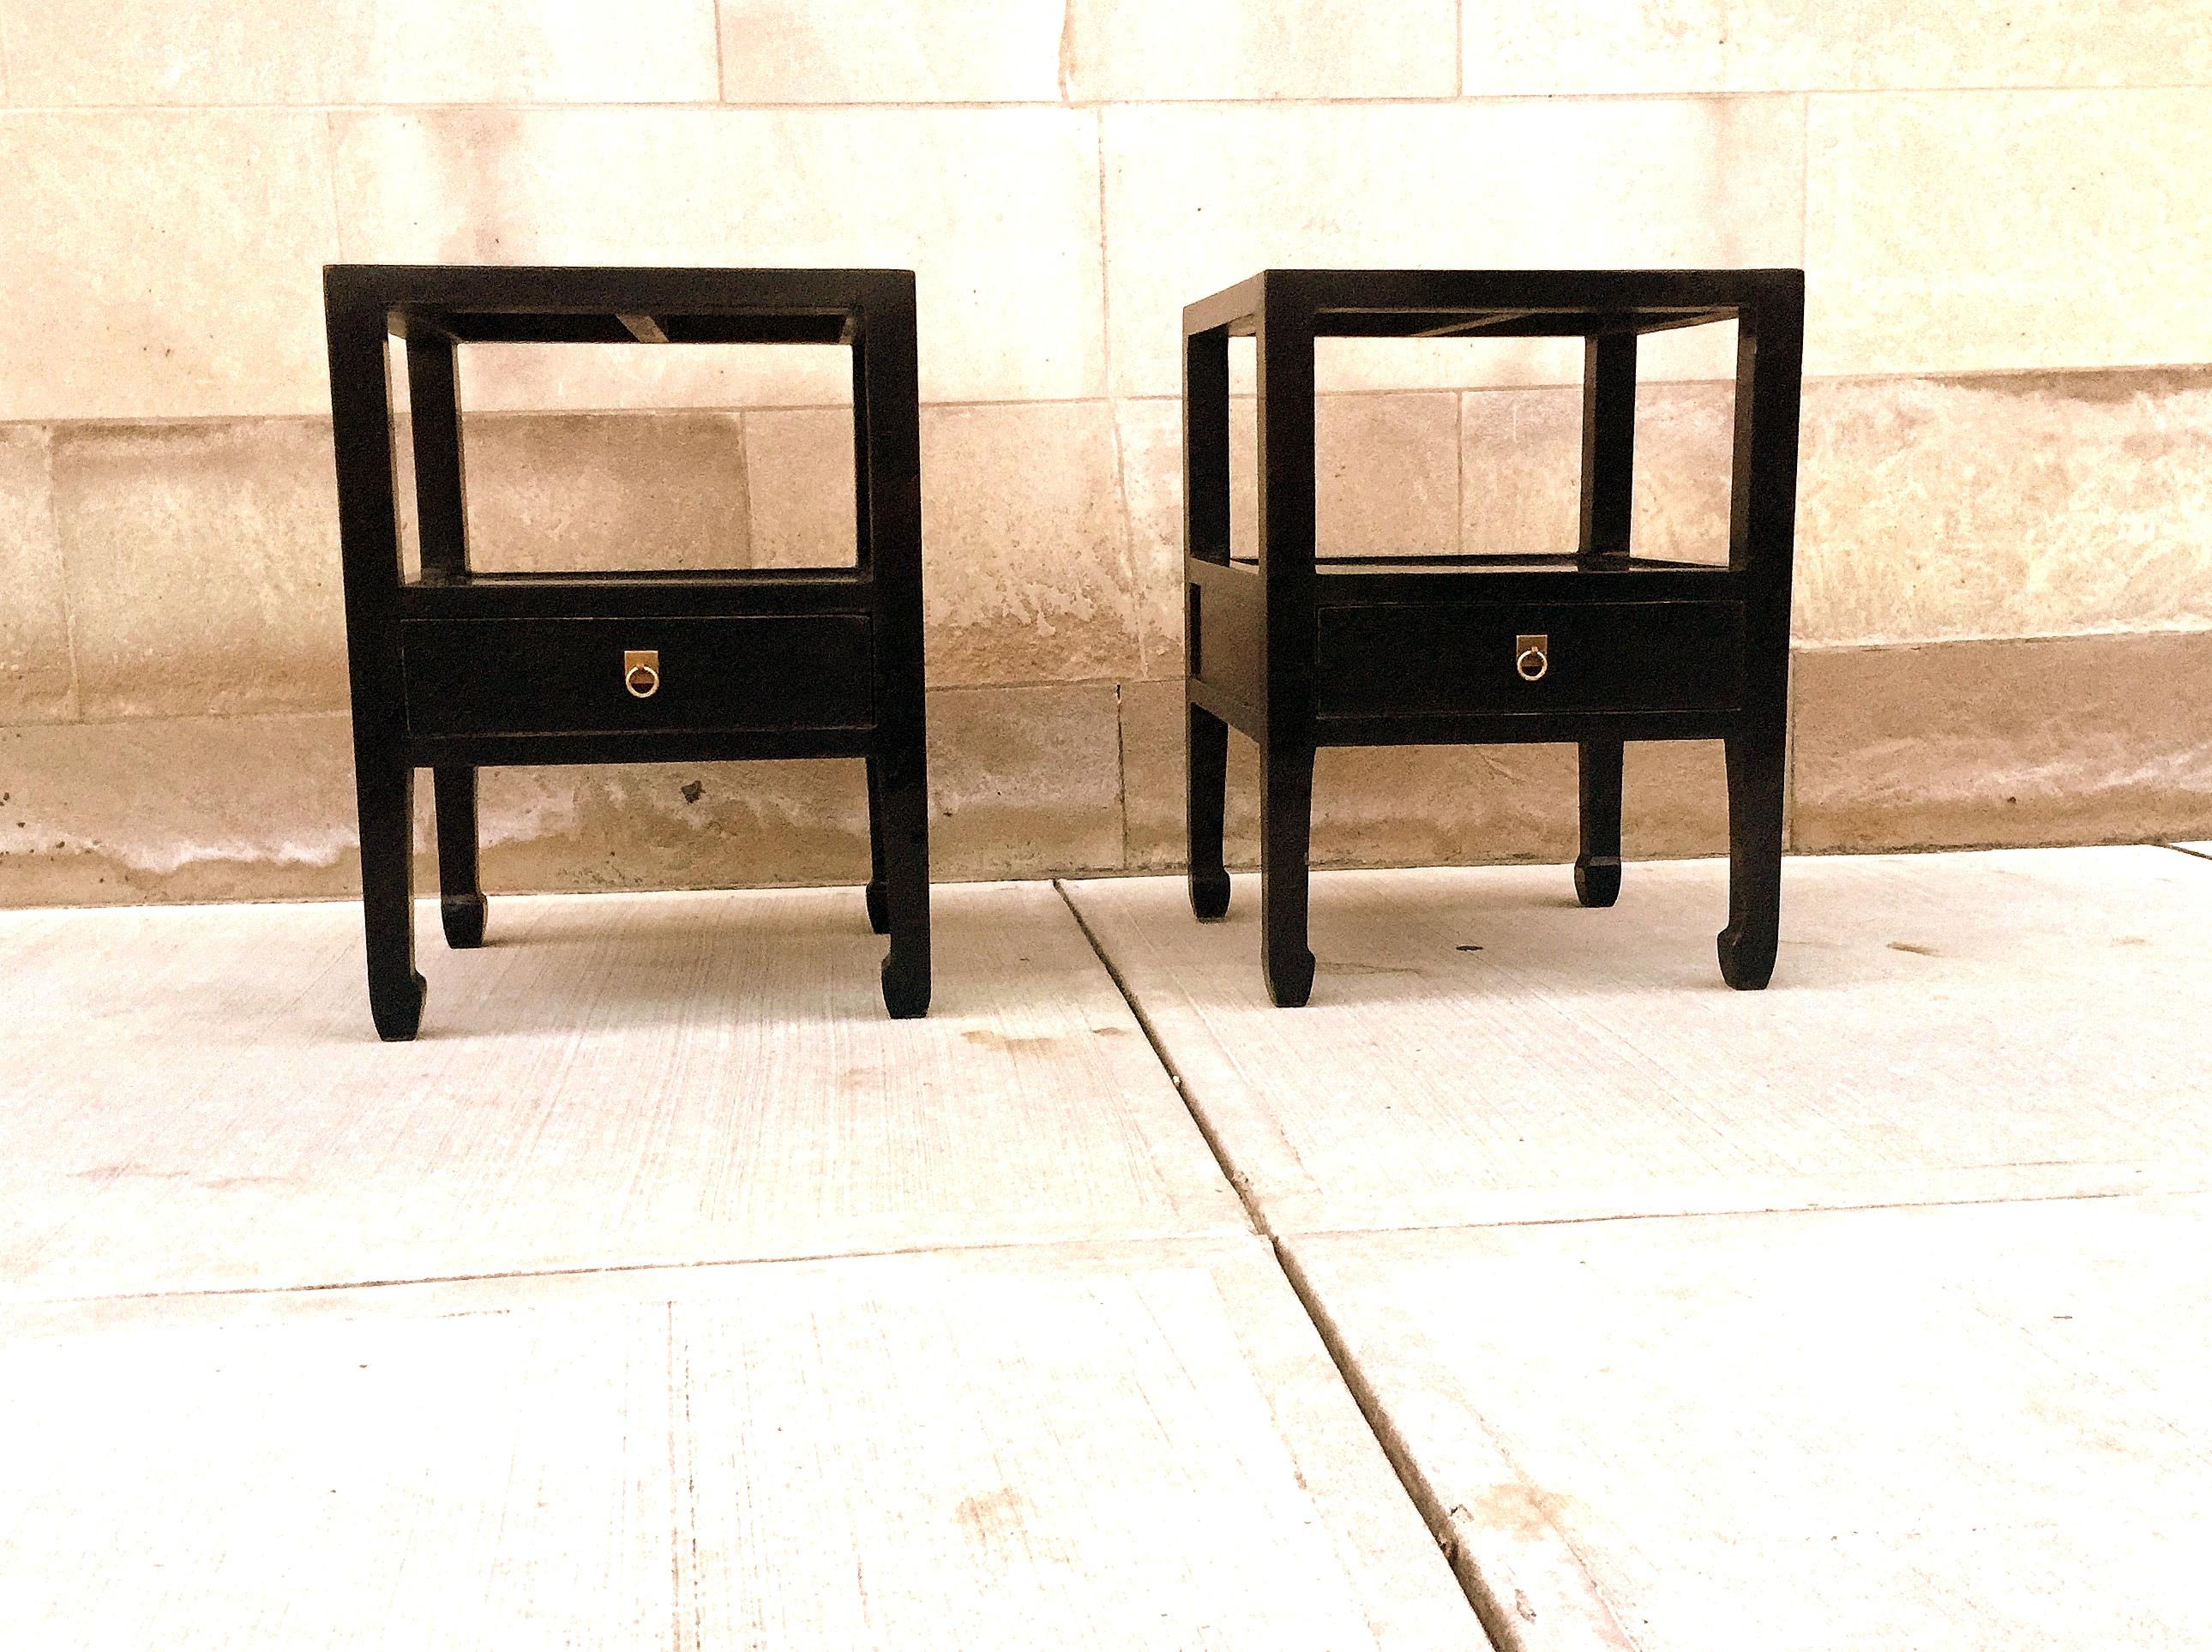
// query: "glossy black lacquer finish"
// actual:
[[454, 670], [1300, 653]]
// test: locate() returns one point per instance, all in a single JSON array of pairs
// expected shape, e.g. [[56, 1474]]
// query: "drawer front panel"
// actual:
[[568, 676], [1424, 659]]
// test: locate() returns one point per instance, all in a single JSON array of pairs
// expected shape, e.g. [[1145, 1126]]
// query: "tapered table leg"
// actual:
[[1748, 945], [1597, 867], [385, 790], [1205, 800], [905, 840], [878, 905], [1770, 355], [460, 895], [1285, 825]]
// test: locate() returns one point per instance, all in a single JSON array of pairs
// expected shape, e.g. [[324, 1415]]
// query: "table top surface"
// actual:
[[1514, 303]]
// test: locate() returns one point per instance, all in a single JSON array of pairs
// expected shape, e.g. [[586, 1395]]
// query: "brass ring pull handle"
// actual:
[[1532, 658], [641, 673]]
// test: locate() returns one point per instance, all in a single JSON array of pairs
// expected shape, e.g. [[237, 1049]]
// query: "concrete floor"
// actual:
[[1529, 1288]]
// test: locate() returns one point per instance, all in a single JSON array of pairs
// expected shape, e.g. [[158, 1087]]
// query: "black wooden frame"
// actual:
[[1299, 652], [440, 633]]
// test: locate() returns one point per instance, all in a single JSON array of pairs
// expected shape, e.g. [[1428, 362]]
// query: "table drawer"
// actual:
[[1431, 659], [569, 676]]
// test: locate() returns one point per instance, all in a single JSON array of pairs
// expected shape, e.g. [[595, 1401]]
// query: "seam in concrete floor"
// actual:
[[1496, 1619], [1948, 1202], [973, 1248]]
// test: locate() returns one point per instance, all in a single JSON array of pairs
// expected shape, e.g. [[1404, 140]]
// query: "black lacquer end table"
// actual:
[[1592, 647], [455, 670]]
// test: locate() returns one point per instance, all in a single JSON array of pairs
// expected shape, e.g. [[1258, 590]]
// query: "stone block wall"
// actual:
[[2005, 576]]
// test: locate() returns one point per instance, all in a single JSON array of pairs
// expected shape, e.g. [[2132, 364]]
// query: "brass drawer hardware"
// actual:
[[641, 671], [1532, 657]]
